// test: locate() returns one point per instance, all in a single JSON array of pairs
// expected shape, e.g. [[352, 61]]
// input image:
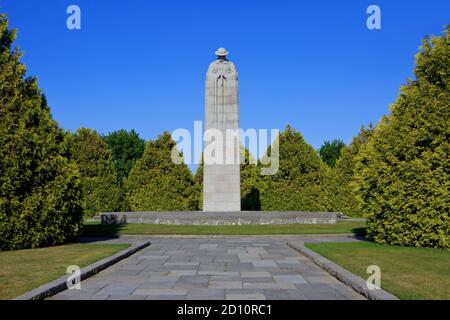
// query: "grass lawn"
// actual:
[[24, 270], [408, 273], [159, 229]]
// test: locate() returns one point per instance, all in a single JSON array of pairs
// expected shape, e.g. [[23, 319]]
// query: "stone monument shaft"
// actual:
[[221, 175]]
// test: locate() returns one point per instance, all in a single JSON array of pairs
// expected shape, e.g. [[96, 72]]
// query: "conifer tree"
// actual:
[[156, 183], [299, 183], [342, 184], [40, 189], [404, 170], [99, 181]]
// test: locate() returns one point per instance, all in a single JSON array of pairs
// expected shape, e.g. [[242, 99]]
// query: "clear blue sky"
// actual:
[[141, 64]]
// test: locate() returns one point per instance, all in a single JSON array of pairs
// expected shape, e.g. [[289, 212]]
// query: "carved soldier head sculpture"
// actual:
[[221, 53]]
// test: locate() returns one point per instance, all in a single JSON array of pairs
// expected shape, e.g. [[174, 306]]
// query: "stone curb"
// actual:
[[342, 274], [60, 284], [210, 218], [302, 235]]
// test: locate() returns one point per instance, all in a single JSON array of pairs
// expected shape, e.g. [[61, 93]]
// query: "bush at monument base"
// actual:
[[404, 170], [157, 184], [250, 197], [198, 186], [101, 192], [299, 183], [39, 187]]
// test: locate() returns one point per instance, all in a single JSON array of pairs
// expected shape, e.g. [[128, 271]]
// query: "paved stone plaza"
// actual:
[[214, 268]]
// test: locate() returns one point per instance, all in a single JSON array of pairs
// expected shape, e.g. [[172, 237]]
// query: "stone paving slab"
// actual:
[[255, 268]]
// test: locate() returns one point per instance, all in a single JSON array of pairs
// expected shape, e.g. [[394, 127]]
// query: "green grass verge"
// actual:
[[24, 270], [408, 273], [341, 227]]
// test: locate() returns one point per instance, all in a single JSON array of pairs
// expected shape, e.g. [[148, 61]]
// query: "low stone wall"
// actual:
[[220, 218]]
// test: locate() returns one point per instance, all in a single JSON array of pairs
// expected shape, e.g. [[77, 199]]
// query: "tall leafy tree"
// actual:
[[126, 148], [39, 187], [330, 152], [99, 181], [299, 183], [404, 170], [156, 183]]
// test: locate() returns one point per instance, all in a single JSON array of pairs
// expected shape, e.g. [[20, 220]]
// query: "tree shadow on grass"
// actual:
[[360, 232], [91, 232]]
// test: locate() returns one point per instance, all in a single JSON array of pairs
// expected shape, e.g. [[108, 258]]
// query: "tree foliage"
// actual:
[[156, 183], [126, 148], [299, 183], [342, 184], [249, 171], [39, 187], [330, 152], [198, 185], [99, 181], [404, 170]]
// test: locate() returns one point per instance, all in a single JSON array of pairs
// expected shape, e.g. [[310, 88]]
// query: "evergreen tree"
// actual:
[[156, 183], [330, 152], [126, 148], [198, 186], [342, 179], [39, 186], [404, 170], [299, 182], [99, 180]]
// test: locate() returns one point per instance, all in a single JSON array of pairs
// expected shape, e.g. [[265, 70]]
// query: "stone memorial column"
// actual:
[[221, 175]]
